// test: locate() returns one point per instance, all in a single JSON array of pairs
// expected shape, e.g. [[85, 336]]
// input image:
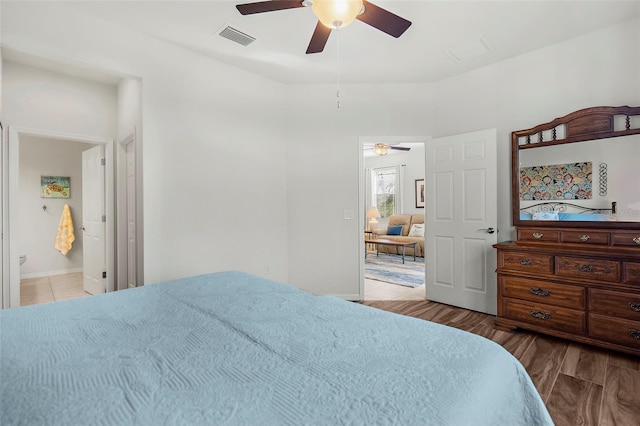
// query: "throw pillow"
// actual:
[[394, 230], [417, 230]]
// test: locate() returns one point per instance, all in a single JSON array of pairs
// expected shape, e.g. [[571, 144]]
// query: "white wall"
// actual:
[[207, 125], [35, 98], [38, 227], [41, 99], [600, 68], [214, 150], [323, 179]]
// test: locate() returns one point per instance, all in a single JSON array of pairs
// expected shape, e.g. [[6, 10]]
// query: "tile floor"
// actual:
[[34, 291]]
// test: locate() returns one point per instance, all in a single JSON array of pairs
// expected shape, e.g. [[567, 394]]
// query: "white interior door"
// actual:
[[461, 218], [131, 216], [4, 278], [93, 220]]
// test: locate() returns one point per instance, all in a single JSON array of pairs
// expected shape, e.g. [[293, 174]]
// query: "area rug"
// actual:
[[389, 268]]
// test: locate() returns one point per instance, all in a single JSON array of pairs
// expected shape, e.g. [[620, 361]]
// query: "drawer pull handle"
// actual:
[[538, 235], [539, 292], [586, 268], [634, 306], [634, 333], [545, 316], [525, 262], [636, 240], [584, 238]]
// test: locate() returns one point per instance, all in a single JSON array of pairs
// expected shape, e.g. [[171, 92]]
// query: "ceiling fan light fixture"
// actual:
[[336, 14], [381, 149]]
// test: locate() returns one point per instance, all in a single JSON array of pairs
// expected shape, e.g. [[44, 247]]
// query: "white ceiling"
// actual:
[[360, 53]]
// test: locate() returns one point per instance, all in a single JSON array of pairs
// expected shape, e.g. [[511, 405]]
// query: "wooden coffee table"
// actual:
[[385, 242]]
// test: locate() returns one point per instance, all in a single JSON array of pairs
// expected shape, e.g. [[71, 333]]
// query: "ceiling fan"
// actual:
[[383, 148], [334, 14]]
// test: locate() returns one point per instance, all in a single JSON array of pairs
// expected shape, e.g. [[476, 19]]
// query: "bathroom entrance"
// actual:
[[51, 268]]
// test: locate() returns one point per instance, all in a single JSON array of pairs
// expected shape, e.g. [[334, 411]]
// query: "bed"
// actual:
[[564, 211], [236, 349]]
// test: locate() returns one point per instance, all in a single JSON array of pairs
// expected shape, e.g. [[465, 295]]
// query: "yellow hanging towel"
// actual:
[[65, 236]]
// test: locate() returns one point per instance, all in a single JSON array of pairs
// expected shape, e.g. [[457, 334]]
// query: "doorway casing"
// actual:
[[361, 191], [11, 156]]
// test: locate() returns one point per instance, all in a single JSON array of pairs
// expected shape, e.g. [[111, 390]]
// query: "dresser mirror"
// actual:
[[580, 170]]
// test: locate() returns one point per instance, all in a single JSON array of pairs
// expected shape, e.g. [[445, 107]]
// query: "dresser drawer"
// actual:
[[589, 269], [564, 319], [538, 234], [631, 272], [615, 303], [569, 296], [625, 239], [621, 331], [526, 262], [584, 237]]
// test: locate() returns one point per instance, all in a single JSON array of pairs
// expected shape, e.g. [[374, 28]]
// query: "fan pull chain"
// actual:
[[338, 64]]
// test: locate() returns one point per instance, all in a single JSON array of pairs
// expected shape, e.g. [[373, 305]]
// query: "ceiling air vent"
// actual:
[[237, 36]]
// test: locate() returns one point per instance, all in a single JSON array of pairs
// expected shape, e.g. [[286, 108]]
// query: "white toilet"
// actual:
[[23, 258]]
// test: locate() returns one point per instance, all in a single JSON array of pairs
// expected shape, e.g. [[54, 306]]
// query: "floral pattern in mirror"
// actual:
[[556, 182]]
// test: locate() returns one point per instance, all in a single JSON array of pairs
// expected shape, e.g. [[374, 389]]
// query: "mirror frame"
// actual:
[[580, 126]]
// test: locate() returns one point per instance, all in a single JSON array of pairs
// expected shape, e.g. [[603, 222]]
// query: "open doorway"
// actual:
[[35, 217], [50, 219], [75, 103], [392, 204]]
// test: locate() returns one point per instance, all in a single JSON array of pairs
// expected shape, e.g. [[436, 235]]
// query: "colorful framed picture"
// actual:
[[420, 193], [54, 187]]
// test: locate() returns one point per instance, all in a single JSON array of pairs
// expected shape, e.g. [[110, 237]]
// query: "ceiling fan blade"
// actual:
[[383, 20], [400, 148], [268, 6], [319, 38]]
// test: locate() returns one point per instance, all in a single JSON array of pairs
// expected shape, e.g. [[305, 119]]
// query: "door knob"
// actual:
[[489, 230]]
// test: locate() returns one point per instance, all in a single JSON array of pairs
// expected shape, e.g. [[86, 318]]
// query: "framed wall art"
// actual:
[[419, 193], [54, 187]]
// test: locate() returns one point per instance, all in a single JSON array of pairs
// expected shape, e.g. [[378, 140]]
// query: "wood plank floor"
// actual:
[[580, 384]]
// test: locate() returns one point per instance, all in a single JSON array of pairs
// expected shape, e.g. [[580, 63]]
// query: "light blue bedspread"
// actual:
[[235, 349]]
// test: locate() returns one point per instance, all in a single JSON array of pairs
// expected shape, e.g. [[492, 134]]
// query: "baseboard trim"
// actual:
[[50, 273]]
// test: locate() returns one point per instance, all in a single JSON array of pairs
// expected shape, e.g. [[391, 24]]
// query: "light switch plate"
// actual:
[[348, 214]]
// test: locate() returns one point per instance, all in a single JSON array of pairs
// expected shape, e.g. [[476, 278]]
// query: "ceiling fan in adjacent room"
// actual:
[[383, 148], [334, 14]]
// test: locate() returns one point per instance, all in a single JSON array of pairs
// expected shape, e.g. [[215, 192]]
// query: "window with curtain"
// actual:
[[384, 190]]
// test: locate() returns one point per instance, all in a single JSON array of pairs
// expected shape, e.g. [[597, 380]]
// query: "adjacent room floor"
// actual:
[[34, 291], [379, 290], [69, 286]]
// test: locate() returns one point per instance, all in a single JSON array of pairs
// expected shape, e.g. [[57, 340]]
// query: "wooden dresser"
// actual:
[[580, 284], [574, 269]]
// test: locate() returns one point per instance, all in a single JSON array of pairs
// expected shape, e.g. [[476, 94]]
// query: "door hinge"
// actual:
[[103, 161], [104, 274], [104, 217]]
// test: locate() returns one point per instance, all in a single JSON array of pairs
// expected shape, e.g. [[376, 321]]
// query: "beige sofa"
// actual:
[[406, 220]]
